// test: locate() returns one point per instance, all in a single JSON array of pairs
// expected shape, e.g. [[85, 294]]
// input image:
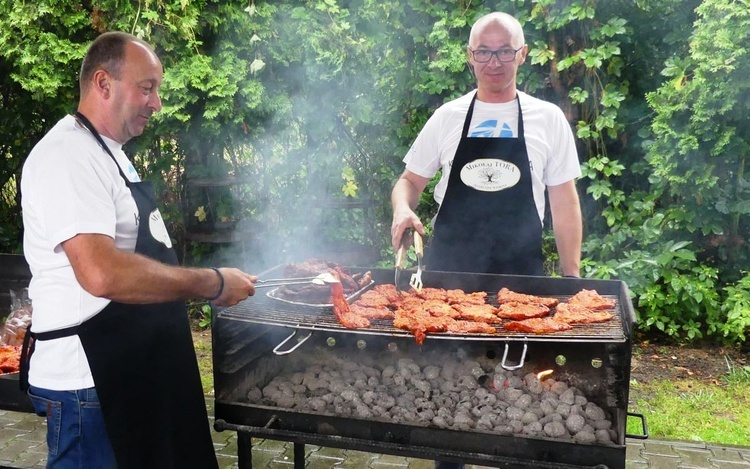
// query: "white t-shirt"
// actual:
[[69, 185], [549, 140]]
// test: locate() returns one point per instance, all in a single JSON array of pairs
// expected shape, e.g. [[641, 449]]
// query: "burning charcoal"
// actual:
[[532, 429], [558, 387], [516, 425], [529, 417], [484, 397], [548, 406], [514, 413], [407, 367], [317, 404], [350, 395], [386, 401], [431, 372], [369, 397], [563, 409], [568, 397], [463, 421], [512, 394], [399, 380], [555, 430], [467, 382], [504, 429], [602, 436], [601, 424], [594, 412], [422, 386], [440, 422], [254, 394], [523, 401], [575, 423], [426, 416], [584, 437], [297, 378], [486, 422], [473, 368], [581, 400], [388, 371], [362, 411], [533, 384]]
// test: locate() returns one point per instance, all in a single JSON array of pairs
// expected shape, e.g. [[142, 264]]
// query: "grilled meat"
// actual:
[[10, 358], [344, 314], [508, 296], [460, 296], [480, 313], [537, 326], [420, 323], [371, 312], [591, 299], [470, 327], [576, 314], [520, 311]]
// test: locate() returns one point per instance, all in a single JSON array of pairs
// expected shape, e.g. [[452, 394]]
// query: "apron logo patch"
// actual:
[[490, 175], [158, 229]]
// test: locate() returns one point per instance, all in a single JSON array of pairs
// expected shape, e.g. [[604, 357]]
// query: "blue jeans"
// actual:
[[76, 437]]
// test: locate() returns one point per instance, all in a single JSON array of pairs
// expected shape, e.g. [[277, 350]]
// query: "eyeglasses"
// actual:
[[503, 55]]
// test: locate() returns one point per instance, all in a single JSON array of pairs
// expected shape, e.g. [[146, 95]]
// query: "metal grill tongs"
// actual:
[[400, 256], [322, 279], [416, 278]]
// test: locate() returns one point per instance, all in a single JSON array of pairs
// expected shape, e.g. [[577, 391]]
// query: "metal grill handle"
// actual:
[[299, 342], [520, 364]]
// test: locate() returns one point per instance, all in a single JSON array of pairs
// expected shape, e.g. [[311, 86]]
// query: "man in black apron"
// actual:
[[139, 346], [489, 217]]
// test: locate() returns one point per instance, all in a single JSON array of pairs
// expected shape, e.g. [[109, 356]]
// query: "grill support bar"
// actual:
[[245, 433]]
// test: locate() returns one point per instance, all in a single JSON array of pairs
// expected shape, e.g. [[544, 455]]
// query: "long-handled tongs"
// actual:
[[416, 278], [322, 279], [400, 256]]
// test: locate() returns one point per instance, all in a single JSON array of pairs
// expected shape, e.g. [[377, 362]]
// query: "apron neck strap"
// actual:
[[87, 123]]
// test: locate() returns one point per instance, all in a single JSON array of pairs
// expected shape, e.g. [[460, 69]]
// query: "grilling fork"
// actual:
[[416, 278]]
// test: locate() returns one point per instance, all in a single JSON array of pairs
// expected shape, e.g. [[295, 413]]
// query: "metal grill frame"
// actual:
[[615, 345]]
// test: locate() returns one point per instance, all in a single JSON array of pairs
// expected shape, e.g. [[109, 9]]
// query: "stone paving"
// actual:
[[22, 446]]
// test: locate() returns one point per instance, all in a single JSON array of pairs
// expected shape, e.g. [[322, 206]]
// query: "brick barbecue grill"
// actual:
[[291, 372]]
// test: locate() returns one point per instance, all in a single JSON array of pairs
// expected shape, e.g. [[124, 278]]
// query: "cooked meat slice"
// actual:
[[440, 308], [409, 302], [10, 358], [537, 326], [428, 293], [470, 327], [591, 299], [460, 296], [373, 299], [508, 296], [520, 311], [389, 291], [343, 313], [577, 314], [481, 313], [420, 323], [371, 312]]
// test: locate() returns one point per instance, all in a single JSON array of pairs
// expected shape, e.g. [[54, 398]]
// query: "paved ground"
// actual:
[[22, 446]]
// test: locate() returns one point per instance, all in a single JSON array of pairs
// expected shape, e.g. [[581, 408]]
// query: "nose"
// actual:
[[155, 102]]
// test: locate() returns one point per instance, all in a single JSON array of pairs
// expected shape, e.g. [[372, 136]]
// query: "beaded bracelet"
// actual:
[[221, 284]]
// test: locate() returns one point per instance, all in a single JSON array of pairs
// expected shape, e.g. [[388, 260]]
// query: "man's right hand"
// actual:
[[238, 285]]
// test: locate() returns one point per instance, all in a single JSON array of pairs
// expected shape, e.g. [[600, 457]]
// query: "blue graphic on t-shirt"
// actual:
[[133, 174], [505, 131], [485, 129]]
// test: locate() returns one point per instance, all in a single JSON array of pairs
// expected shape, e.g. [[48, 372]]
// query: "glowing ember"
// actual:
[[543, 374]]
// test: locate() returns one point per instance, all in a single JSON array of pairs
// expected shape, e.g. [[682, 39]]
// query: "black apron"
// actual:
[[488, 221], [144, 365]]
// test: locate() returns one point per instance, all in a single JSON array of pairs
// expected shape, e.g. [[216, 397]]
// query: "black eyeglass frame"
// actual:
[[495, 53]]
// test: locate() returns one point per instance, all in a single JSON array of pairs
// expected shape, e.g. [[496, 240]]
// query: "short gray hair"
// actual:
[[505, 20]]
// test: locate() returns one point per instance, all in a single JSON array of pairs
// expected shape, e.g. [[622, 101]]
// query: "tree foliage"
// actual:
[[286, 122]]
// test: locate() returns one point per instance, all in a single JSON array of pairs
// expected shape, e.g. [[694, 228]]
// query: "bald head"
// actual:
[[107, 52], [504, 20]]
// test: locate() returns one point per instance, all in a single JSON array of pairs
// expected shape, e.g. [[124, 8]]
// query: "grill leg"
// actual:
[[244, 451], [299, 456]]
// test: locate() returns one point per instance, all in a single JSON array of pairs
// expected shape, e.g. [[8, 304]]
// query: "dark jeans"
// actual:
[[449, 465], [76, 437]]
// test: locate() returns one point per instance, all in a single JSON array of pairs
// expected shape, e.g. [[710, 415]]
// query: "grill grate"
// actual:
[[264, 309]]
